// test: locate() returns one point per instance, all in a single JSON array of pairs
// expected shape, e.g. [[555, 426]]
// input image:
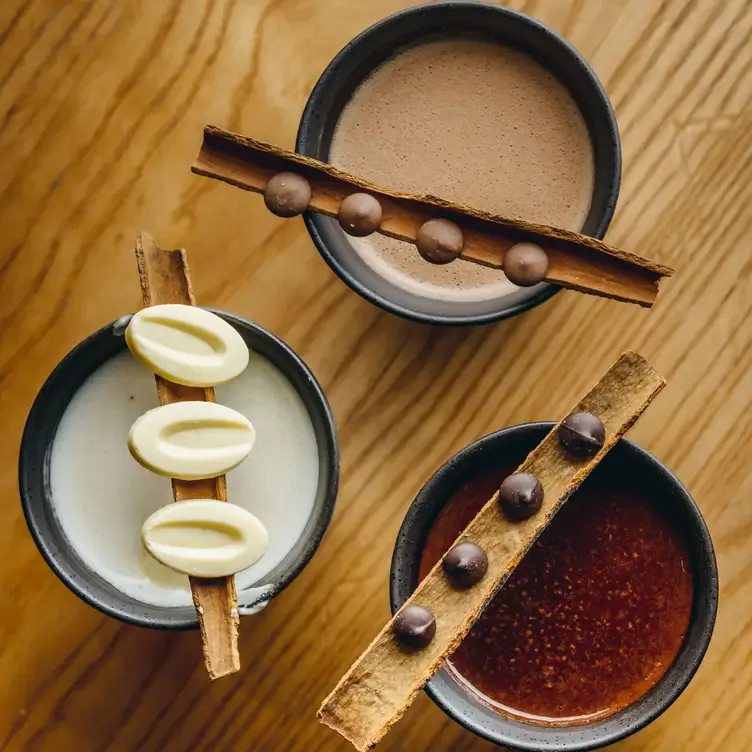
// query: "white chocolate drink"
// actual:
[[102, 496]]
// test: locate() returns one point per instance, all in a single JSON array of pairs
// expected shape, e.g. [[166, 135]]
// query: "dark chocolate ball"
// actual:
[[525, 264], [360, 214], [465, 564], [287, 194], [520, 496], [415, 627], [439, 241], [582, 435]]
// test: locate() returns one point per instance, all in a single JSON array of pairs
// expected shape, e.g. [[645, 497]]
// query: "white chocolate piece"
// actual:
[[191, 440], [205, 538], [187, 345]]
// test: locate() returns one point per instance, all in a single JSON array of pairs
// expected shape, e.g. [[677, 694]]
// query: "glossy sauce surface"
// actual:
[[591, 619]]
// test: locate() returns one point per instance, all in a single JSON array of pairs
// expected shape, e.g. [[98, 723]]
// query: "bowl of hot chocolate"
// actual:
[[477, 104], [602, 624]]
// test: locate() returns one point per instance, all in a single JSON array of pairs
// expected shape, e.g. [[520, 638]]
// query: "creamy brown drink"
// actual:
[[470, 121]]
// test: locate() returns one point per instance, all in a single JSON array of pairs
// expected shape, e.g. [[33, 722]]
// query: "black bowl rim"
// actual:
[[329, 76], [39, 407], [708, 617]]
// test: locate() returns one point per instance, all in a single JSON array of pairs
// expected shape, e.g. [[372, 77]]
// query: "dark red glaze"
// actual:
[[593, 616]]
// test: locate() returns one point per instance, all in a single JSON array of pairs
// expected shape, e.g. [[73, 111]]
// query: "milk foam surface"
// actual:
[[474, 122], [102, 497]]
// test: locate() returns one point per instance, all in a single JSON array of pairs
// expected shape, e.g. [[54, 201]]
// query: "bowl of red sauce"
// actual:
[[602, 625]]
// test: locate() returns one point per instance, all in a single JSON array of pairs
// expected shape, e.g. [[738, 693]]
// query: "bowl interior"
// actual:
[[36, 493], [415, 26], [509, 447]]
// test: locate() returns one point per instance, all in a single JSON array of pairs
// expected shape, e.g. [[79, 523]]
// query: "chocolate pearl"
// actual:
[[415, 627], [360, 214], [525, 264], [287, 194], [520, 496], [582, 434], [439, 241], [465, 564]]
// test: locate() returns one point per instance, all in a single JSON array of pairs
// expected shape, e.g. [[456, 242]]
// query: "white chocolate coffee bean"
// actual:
[[191, 440], [187, 345], [205, 538]]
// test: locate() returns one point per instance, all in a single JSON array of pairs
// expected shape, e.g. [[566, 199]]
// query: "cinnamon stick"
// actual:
[[165, 278], [382, 683], [576, 261]]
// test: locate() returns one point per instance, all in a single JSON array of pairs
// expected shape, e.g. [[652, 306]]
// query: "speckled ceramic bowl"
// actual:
[[36, 493], [508, 448]]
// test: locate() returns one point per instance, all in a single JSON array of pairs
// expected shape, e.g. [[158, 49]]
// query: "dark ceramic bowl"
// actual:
[[414, 26], [36, 494], [509, 447]]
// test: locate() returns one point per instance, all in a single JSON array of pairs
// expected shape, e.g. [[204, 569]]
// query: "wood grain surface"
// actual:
[[102, 103]]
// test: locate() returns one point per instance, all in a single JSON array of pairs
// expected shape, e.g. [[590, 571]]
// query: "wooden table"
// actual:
[[101, 108]]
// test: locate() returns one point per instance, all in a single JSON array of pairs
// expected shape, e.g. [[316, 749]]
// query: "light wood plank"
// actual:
[[102, 105]]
